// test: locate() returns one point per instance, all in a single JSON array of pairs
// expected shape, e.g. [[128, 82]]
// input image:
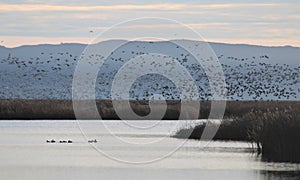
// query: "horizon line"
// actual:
[[85, 43]]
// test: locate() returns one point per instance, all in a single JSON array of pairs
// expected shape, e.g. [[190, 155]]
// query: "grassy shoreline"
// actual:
[[275, 132], [63, 109]]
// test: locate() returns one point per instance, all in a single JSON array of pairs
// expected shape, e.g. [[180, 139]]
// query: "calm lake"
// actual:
[[125, 150]]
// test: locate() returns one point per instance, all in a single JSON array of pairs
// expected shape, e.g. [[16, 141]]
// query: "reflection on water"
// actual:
[[280, 175], [24, 154]]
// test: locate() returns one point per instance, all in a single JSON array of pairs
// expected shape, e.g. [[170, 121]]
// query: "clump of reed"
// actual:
[[229, 130], [275, 131], [277, 134]]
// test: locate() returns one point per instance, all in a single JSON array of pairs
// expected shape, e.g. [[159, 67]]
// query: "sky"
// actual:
[[270, 23]]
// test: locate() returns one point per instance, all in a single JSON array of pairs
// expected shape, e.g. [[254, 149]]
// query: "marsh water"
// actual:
[[125, 150]]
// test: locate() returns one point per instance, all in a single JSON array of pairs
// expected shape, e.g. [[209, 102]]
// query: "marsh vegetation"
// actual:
[[275, 131]]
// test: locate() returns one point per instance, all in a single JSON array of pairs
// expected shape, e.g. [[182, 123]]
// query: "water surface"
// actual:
[[125, 150]]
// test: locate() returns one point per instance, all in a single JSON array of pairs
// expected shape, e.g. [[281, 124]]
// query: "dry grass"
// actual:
[[275, 130], [63, 109]]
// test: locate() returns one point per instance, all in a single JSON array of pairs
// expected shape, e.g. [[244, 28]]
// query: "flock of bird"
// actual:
[[52, 141], [49, 75], [61, 141]]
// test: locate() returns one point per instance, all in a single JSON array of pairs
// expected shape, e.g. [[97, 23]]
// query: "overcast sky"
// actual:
[[269, 23]]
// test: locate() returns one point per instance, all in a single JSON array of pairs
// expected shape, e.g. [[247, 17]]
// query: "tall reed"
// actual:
[[275, 131]]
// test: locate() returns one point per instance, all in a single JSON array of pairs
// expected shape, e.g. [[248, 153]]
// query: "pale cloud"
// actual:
[[35, 21], [173, 25], [25, 7], [39, 7], [238, 5]]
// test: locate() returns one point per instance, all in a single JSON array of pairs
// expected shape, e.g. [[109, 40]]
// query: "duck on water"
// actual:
[[62, 141]]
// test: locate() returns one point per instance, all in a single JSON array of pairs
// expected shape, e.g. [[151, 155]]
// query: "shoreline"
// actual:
[[55, 109]]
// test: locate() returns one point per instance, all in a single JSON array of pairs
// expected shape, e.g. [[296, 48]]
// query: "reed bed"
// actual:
[[277, 134], [63, 109], [275, 131]]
